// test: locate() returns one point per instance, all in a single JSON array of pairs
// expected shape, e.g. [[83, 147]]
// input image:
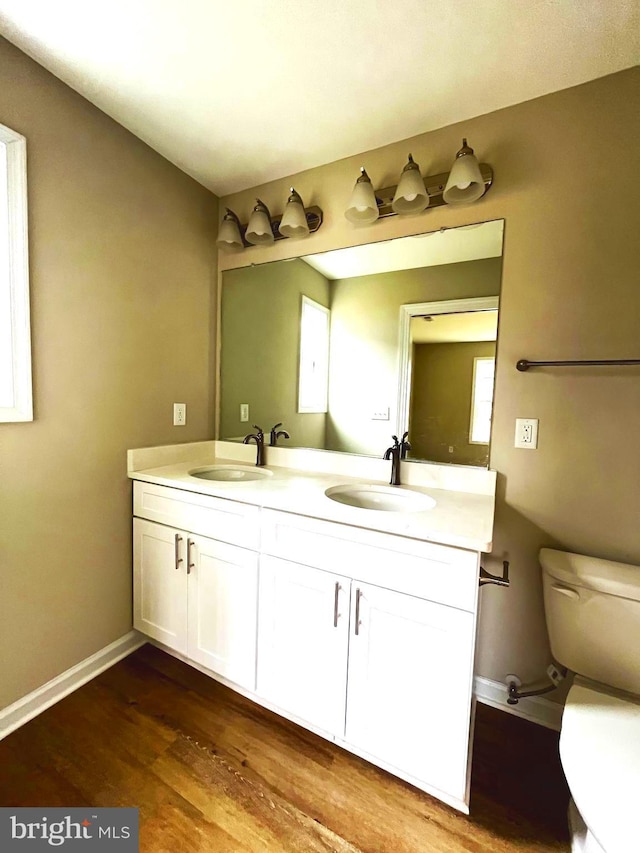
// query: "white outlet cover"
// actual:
[[179, 414], [526, 433], [380, 414]]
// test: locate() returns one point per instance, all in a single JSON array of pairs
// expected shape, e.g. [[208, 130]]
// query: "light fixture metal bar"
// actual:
[[435, 185]]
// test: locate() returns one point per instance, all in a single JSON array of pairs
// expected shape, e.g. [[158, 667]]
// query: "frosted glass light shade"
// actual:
[[363, 207], [411, 195], [465, 183], [294, 219], [229, 237], [259, 231]]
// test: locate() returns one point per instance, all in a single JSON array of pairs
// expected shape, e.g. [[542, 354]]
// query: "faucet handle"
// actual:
[[277, 426], [395, 440], [258, 429]]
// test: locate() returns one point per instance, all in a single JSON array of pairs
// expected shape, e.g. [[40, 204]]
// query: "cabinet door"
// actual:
[[303, 640], [160, 583], [223, 608], [410, 685]]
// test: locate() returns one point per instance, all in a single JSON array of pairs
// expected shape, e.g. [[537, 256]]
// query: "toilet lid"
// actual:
[[600, 751]]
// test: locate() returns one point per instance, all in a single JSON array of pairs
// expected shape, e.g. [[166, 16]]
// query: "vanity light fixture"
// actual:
[[230, 235], [363, 205], [465, 182], [411, 195], [263, 229], [294, 219], [259, 231]]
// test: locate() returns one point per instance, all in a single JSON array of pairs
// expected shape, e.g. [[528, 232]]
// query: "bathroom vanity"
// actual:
[[356, 623]]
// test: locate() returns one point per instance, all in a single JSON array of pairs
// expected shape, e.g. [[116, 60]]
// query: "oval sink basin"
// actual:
[[230, 473], [385, 498]]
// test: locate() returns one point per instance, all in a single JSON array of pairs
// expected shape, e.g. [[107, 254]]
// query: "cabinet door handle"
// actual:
[[335, 605], [178, 540], [190, 563], [358, 593]]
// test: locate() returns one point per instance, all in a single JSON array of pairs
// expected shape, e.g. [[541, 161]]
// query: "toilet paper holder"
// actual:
[[487, 577]]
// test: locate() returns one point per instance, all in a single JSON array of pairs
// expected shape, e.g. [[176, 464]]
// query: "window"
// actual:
[[481, 400], [314, 357], [15, 337]]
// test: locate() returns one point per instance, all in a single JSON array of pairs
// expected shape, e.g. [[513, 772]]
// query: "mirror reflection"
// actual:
[[348, 347]]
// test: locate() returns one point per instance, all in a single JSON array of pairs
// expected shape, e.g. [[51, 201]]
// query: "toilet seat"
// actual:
[[600, 752]]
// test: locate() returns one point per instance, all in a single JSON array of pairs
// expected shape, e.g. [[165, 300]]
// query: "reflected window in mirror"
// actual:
[[482, 400], [314, 356], [363, 290]]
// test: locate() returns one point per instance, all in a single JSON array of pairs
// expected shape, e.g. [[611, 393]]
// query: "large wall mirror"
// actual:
[[348, 347]]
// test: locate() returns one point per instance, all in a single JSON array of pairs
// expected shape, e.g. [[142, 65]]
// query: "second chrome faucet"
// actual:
[[396, 453], [258, 437]]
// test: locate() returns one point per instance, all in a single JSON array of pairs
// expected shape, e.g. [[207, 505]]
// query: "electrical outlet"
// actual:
[[244, 412], [526, 433], [179, 414]]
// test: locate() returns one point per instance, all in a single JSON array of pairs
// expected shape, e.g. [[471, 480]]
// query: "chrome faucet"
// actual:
[[396, 453], [405, 447], [275, 435], [259, 440]]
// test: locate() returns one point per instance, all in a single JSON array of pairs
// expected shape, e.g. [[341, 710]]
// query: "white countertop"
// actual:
[[459, 518]]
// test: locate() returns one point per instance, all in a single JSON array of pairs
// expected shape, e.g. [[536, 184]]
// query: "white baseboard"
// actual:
[[16, 715], [537, 709]]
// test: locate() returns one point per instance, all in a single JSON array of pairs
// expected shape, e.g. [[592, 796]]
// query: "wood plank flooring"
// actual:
[[212, 771]]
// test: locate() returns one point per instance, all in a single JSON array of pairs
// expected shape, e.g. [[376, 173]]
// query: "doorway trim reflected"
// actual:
[[405, 365]]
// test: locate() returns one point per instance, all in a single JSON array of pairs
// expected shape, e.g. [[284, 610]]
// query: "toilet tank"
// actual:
[[592, 609]]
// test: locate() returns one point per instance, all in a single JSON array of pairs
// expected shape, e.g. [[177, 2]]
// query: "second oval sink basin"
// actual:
[[230, 473], [385, 498]]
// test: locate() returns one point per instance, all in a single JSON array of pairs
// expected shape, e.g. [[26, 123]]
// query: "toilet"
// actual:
[[592, 610]]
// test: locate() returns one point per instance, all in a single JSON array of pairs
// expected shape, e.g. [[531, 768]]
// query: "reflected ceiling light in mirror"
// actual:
[[363, 206], [229, 235], [465, 182], [411, 195], [259, 231], [294, 219]]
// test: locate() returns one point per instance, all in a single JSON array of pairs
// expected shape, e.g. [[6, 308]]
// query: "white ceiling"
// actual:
[[455, 328], [237, 94]]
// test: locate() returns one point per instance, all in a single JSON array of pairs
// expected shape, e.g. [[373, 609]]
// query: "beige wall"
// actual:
[[569, 290], [122, 269], [441, 394], [365, 322], [260, 338]]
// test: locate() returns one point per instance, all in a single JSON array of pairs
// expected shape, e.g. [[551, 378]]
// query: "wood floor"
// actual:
[[211, 771]]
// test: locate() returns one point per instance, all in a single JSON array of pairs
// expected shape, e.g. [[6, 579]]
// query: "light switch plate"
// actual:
[[380, 414], [526, 433]]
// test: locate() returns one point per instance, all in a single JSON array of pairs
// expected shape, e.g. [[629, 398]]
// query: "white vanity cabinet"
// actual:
[[380, 655], [195, 594], [366, 637]]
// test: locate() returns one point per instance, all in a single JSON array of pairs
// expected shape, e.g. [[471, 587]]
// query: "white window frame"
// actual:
[[14, 277], [320, 402], [474, 400]]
